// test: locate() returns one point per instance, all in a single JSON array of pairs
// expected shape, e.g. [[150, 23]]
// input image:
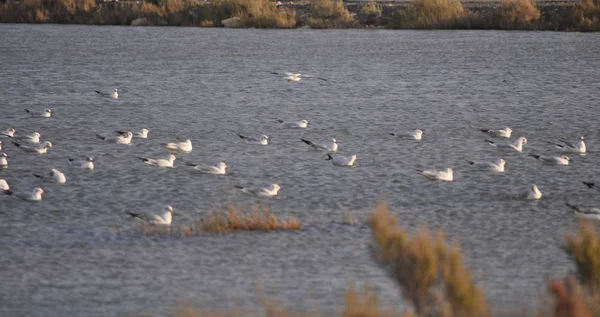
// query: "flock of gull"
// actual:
[[32, 143]]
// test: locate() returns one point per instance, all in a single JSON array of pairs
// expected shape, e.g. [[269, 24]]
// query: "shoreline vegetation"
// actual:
[[435, 281], [581, 16]]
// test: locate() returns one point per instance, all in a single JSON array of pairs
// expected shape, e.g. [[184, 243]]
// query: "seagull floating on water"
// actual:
[[40, 149], [114, 94], [416, 134], [291, 77], [340, 160], [502, 133], [10, 132], [552, 160], [585, 212], [271, 191], [33, 138], [0, 145], [54, 176], [35, 195], [497, 166], [532, 193], [122, 138], [185, 146], [4, 185], [331, 146], [263, 139], [85, 163], [447, 175], [295, 124], [164, 219], [570, 147], [517, 145], [47, 113], [220, 169], [142, 134], [3, 160], [160, 162]]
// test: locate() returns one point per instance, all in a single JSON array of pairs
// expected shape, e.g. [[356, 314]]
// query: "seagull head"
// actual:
[[523, 140], [534, 188], [264, 137], [450, 171], [4, 155], [188, 141], [11, 131], [129, 134], [508, 130], [566, 158], [501, 162], [581, 138], [36, 135], [419, 132], [145, 131], [47, 144], [89, 159], [48, 111], [275, 187], [334, 141], [172, 157], [116, 89], [222, 165], [38, 191], [304, 122], [168, 208]]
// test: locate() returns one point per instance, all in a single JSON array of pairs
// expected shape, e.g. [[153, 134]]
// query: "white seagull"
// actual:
[[331, 146], [516, 145], [10, 132], [532, 193], [54, 176], [585, 212], [497, 166], [40, 149], [85, 163], [291, 77], [340, 160], [416, 134], [447, 175], [168, 162], [294, 124], [30, 138], [35, 195], [3, 160], [271, 191], [122, 138], [185, 146], [4, 185], [0, 145], [142, 134], [164, 219], [552, 160], [570, 147], [220, 169], [47, 113], [263, 139], [114, 94], [502, 133]]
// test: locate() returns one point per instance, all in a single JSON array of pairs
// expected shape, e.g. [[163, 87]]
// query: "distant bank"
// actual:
[[416, 14]]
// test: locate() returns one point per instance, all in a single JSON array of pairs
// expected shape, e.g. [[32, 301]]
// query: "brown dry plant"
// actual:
[[584, 249], [518, 14]]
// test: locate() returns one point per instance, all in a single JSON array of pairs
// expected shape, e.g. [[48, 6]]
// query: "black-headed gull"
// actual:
[[271, 191], [497, 166], [446, 175], [294, 124], [291, 77], [331, 146], [114, 94], [35, 195], [219, 169], [142, 134], [124, 138], [531, 193], [185, 146], [40, 149], [54, 176], [569, 147], [517, 145], [164, 219], [592, 185], [4, 185], [552, 160], [585, 212], [263, 139], [162, 162], [340, 160], [10, 132], [85, 163], [30, 138], [501, 133], [47, 113], [3, 160], [416, 134]]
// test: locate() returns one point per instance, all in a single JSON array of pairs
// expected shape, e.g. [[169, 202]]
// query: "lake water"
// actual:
[[65, 256]]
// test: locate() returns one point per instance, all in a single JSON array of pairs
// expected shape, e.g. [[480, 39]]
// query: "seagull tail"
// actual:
[[392, 134], [536, 156], [575, 208], [420, 171], [16, 143], [556, 144], [7, 191], [241, 136], [37, 175], [306, 141], [471, 162], [329, 157], [191, 164], [133, 215], [490, 142], [280, 121], [484, 130], [589, 184], [143, 158], [100, 137], [238, 187], [27, 110], [98, 92]]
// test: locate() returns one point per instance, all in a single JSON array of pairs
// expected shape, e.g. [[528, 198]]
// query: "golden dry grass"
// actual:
[[584, 249], [518, 14], [329, 14], [431, 14]]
